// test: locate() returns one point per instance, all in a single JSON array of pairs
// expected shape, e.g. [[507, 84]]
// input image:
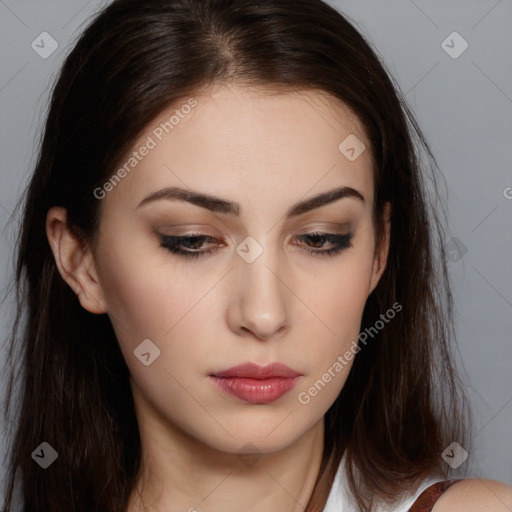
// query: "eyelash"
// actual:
[[172, 243]]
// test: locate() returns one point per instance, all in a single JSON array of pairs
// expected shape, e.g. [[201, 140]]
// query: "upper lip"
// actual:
[[255, 371]]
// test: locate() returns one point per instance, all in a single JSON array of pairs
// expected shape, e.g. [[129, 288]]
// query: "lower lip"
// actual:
[[256, 391]]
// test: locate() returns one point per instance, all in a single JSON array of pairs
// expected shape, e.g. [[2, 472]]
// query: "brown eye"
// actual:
[[316, 240], [187, 246]]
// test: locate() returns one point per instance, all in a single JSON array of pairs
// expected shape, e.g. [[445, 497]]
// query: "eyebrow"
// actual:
[[219, 205]]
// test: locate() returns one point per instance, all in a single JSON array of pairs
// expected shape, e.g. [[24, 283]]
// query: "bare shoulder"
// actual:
[[476, 495]]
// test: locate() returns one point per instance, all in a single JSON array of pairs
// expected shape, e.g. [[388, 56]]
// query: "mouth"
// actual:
[[256, 384]]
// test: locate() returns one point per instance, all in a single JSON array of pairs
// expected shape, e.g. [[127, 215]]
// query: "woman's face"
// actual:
[[252, 283]]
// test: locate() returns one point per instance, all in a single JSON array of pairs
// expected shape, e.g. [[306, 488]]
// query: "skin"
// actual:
[[476, 495], [265, 151]]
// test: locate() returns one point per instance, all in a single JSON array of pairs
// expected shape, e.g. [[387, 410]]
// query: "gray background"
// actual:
[[464, 106]]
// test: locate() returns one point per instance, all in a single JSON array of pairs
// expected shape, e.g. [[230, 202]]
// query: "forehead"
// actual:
[[243, 141]]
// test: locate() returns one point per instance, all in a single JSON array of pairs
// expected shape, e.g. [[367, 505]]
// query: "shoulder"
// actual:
[[475, 495]]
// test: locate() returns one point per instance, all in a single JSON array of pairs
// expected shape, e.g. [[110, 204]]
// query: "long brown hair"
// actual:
[[402, 403]]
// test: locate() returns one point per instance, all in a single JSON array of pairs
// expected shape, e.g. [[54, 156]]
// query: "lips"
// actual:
[[256, 384]]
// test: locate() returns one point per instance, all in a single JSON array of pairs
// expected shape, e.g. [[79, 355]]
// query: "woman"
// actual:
[[227, 258]]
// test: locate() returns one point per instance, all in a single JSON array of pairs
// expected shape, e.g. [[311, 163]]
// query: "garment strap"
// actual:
[[427, 499]]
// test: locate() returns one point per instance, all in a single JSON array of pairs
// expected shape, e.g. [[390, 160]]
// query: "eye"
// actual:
[[187, 246], [318, 239]]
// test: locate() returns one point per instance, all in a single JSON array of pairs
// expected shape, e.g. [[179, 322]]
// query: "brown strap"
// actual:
[[427, 499]]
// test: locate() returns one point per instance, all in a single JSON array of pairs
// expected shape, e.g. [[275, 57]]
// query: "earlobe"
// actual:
[[74, 262], [381, 254]]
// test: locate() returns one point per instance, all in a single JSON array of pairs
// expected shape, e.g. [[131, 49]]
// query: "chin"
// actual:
[[251, 435]]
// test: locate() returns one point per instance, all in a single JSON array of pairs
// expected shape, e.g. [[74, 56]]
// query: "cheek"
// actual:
[[344, 301], [138, 301], [339, 300], [151, 295], [148, 302], [146, 290], [338, 294]]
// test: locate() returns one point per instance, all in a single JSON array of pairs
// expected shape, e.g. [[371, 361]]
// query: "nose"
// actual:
[[258, 306]]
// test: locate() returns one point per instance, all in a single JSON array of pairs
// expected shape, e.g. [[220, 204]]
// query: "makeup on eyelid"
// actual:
[[339, 242]]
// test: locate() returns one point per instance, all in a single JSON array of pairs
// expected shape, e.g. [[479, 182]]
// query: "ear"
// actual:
[[381, 252], [74, 261]]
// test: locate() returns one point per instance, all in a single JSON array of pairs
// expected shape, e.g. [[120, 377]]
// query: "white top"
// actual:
[[341, 499]]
